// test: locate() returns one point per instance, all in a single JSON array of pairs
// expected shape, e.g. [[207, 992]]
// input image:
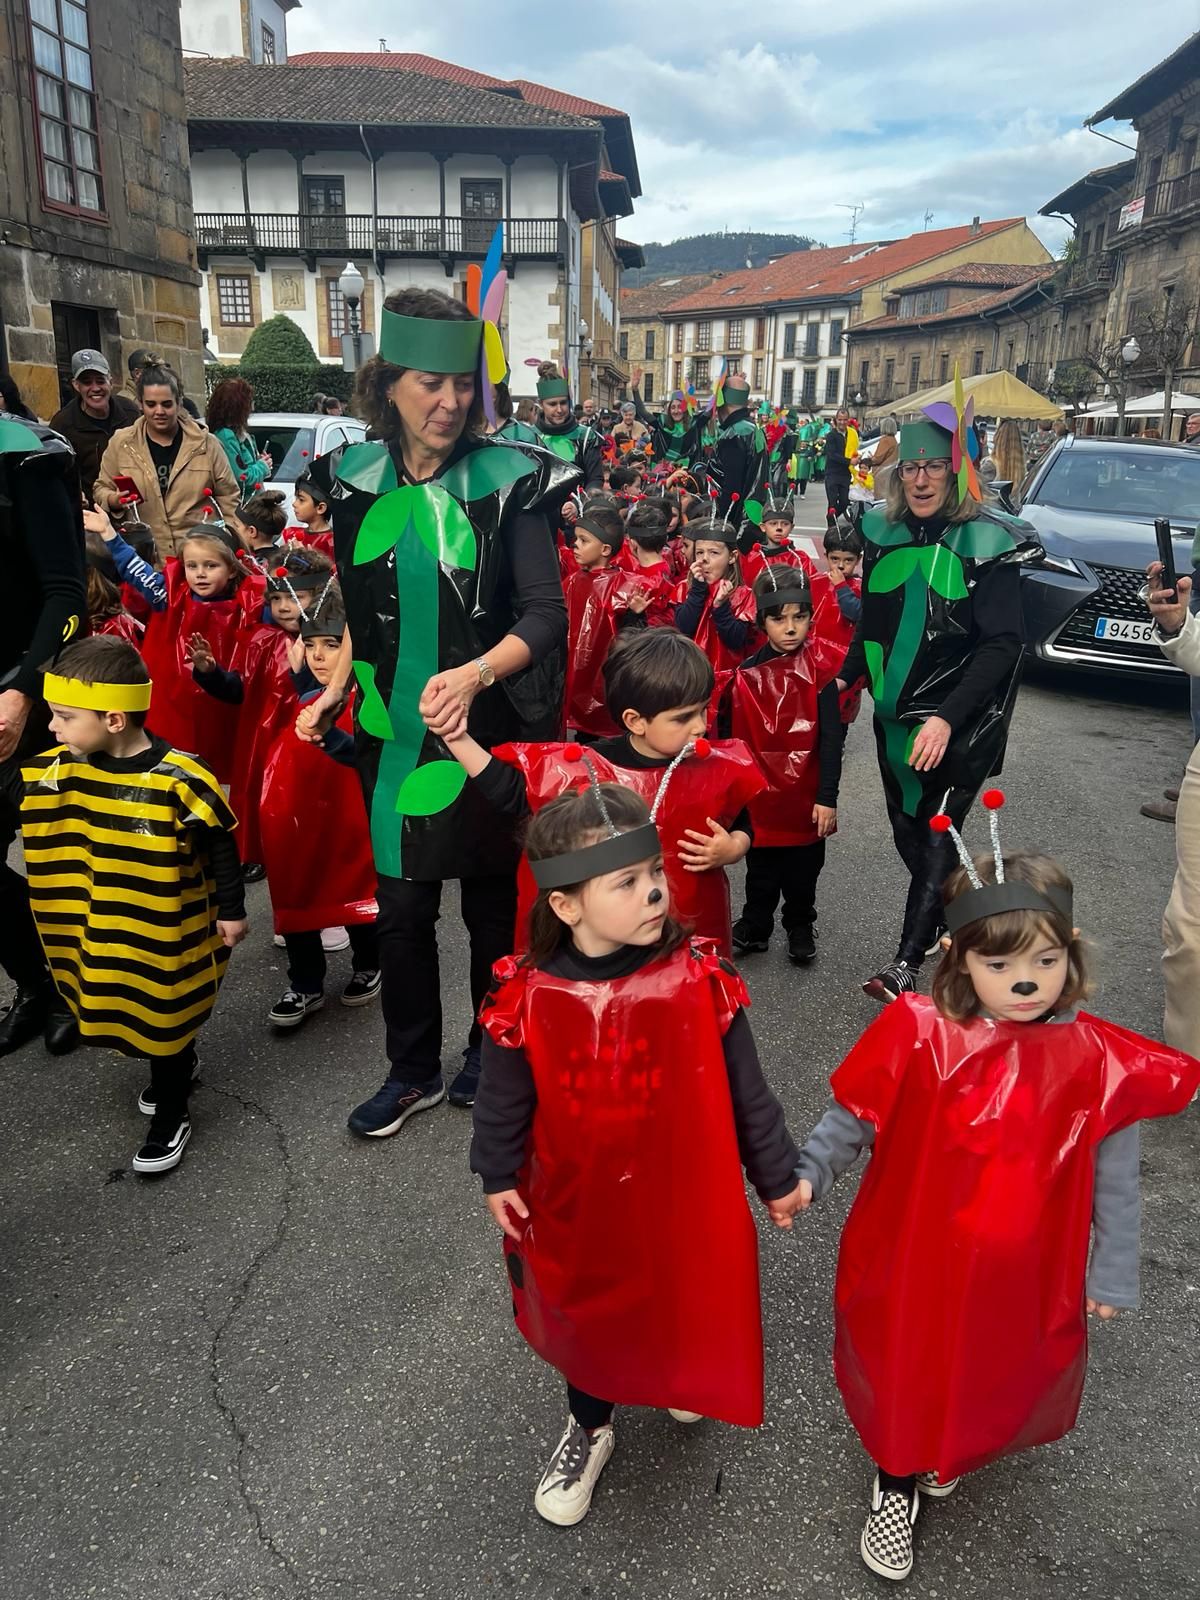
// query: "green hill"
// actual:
[[713, 252]]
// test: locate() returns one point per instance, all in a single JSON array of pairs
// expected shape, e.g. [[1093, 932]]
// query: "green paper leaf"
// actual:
[[430, 788], [443, 527], [754, 512], [873, 653], [485, 470], [979, 541], [943, 572], [383, 526], [372, 713], [877, 530], [368, 466], [895, 569], [16, 438], [560, 445]]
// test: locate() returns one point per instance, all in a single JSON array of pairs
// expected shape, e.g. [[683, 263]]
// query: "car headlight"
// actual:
[[1054, 563]]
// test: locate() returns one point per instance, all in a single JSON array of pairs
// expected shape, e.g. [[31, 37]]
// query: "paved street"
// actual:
[[289, 1369]]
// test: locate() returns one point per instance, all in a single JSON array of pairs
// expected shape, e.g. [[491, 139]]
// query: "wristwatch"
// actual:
[[487, 676]]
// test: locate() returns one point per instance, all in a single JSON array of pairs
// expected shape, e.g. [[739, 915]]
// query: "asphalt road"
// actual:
[[289, 1369]]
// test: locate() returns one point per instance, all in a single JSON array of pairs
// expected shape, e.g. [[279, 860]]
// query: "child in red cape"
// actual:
[[657, 686], [315, 841], [601, 600], [643, 555], [783, 703], [1002, 1123], [617, 1057], [311, 511], [717, 609], [775, 546], [843, 552]]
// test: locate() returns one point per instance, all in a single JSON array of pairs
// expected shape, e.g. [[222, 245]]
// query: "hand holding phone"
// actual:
[[128, 492], [1166, 555]]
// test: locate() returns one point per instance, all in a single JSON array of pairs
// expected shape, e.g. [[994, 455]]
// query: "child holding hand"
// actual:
[[1003, 1127], [617, 1056]]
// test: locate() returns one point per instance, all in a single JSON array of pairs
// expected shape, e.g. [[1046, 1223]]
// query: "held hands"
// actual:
[[99, 521], [232, 932], [701, 852], [505, 1208], [1170, 614], [316, 718], [825, 819], [200, 656], [456, 730], [1106, 1313], [14, 713], [930, 744], [782, 1211], [446, 698]]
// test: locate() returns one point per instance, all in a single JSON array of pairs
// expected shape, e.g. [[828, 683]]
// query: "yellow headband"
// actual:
[[96, 696]]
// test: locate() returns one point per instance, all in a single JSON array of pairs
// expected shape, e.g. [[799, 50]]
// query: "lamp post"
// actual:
[[1130, 352], [584, 345], [352, 284]]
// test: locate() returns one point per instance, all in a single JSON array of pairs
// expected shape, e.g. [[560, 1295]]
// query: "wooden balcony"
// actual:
[[448, 239]]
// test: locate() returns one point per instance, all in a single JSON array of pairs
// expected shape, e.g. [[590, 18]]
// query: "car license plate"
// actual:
[[1118, 628]]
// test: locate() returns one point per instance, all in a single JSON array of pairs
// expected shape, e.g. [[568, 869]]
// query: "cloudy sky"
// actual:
[[905, 105]]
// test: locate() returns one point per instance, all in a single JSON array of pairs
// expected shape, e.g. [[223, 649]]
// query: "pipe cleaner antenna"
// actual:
[[993, 800], [942, 822], [598, 796], [694, 747]]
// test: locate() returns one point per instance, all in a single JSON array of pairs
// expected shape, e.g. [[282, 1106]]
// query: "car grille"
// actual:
[[1119, 595]]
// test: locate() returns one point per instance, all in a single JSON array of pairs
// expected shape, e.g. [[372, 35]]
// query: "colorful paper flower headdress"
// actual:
[[957, 418]]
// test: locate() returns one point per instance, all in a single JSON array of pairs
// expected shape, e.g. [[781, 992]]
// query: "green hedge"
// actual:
[[278, 342], [284, 388]]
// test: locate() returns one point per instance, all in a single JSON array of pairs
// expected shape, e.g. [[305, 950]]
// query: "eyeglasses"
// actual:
[[937, 468]]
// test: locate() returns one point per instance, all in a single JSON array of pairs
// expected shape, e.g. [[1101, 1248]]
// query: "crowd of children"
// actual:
[[704, 723]]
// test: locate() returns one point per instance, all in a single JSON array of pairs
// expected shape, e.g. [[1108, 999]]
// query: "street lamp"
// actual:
[[584, 345], [1130, 352], [352, 284]]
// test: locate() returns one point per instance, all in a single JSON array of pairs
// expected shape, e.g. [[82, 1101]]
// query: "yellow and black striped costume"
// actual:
[[122, 896]]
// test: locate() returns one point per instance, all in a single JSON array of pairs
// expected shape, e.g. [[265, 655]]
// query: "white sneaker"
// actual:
[[930, 1485], [887, 1539], [333, 939], [685, 1416], [564, 1495]]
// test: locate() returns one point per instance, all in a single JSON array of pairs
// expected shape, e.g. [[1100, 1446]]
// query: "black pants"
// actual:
[[171, 1081], [789, 870], [930, 858], [20, 949], [801, 488], [889, 1483], [837, 493], [408, 959], [306, 956], [588, 1412]]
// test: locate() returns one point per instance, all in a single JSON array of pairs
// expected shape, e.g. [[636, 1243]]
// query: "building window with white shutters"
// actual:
[[787, 386], [789, 338], [833, 385], [67, 125], [268, 46], [700, 371], [234, 302], [812, 339], [679, 338]]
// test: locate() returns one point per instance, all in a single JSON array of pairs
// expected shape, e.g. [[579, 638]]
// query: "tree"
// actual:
[[279, 342], [1103, 362], [1164, 336]]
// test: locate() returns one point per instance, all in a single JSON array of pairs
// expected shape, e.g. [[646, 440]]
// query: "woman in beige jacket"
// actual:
[[171, 460]]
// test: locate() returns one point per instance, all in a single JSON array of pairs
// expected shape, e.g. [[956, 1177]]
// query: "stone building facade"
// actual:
[[95, 203]]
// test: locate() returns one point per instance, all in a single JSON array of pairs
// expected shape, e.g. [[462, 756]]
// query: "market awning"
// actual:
[[1151, 405], [996, 394]]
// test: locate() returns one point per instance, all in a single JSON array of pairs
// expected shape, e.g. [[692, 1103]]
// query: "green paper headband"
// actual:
[[430, 344], [738, 382], [924, 441], [553, 389]]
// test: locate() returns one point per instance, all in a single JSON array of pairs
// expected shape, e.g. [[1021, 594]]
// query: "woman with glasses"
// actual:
[[939, 644]]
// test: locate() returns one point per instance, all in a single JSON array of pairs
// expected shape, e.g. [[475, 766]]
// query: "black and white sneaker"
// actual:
[[164, 1144], [887, 1539], [564, 1496], [390, 1107], [290, 1010], [362, 988], [935, 947], [746, 942], [933, 1488], [890, 982], [147, 1103]]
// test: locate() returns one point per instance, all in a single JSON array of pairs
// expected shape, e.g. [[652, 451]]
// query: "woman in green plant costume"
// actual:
[[562, 432], [939, 643], [455, 608]]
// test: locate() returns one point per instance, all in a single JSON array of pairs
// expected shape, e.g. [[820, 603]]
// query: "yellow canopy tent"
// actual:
[[996, 394]]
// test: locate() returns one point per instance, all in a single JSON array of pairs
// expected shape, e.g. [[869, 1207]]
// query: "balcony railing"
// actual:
[[265, 233], [1093, 271], [1172, 195]]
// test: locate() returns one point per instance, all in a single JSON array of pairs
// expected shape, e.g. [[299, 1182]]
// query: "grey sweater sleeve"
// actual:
[[1116, 1220], [833, 1146]]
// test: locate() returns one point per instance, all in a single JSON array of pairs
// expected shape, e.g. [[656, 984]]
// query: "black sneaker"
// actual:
[[290, 1010], [466, 1085], [25, 1017], [746, 943], [164, 1144], [887, 1539], [802, 946], [362, 988], [890, 982], [148, 1105], [387, 1111], [253, 872]]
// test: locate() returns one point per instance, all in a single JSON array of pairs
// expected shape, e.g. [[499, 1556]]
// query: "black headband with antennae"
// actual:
[[1011, 895], [594, 860]]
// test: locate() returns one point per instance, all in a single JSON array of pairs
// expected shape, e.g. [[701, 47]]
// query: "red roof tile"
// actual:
[[987, 274], [973, 307], [651, 298], [404, 61], [556, 100]]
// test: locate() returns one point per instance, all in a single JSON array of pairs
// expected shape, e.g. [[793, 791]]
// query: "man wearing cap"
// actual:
[[89, 421]]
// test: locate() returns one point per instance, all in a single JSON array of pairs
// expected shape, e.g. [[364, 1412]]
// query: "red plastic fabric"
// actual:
[[268, 708], [180, 711], [961, 1329], [717, 785], [745, 608], [637, 1272], [315, 541], [122, 626], [596, 601], [316, 845], [754, 562]]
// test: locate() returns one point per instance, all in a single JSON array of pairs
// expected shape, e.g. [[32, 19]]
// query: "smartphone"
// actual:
[[1166, 554], [131, 495]]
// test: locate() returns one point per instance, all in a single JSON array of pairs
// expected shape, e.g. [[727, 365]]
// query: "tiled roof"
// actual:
[[237, 92], [539, 95], [404, 60], [655, 297], [1093, 186], [1176, 71], [964, 311], [987, 274], [824, 274]]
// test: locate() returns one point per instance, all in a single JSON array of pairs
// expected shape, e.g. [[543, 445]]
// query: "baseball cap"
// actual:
[[142, 358], [89, 361]]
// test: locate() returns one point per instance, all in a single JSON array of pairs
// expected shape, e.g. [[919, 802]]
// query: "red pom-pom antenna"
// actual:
[[702, 748], [734, 498], [281, 572], [993, 799], [208, 494], [572, 752], [941, 823]]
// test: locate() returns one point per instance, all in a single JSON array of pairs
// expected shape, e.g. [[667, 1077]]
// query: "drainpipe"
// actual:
[[374, 203]]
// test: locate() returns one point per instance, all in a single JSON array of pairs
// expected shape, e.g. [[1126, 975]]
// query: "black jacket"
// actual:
[[88, 436]]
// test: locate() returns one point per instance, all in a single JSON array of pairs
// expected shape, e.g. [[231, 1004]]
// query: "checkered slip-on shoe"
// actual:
[[887, 1538], [933, 1488]]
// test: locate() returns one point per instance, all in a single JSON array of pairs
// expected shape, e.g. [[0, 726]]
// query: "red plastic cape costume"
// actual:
[[180, 711], [268, 709], [717, 785], [961, 1330], [755, 562], [315, 842], [773, 710], [745, 608], [120, 626], [596, 602], [315, 541], [637, 1275]]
